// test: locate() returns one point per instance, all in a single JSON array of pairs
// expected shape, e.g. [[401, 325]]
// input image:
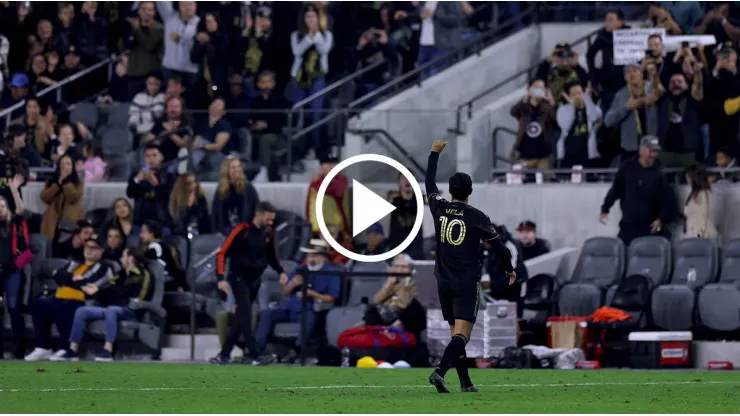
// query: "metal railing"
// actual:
[[603, 174], [111, 61], [368, 135]]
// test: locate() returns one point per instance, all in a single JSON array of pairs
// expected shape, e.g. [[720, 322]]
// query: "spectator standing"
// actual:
[[38, 130], [235, 199], [213, 141], [171, 132], [60, 307], [150, 189], [91, 34], [161, 252], [189, 207], [249, 249], [41, 42], [336, 201], [535, 139], [578, 121], [441, 32], [63, 37], [21, 27], [322, 290], [267, 123], [644, 195], [310, 45], [17, 134], [724, 99], [402, 219], [237, 101], [211, 50], [113, 297], [633, 111], [63, 145], [679, 120], [147, 106], [63, 195], [698, 207], [180, 29], [558, 71], [146, 46], [258, 46], [607, 80], [372, 47], [687, 14], [79, 89], [531, 245], [118, 84], [12, 242], [661, 17]]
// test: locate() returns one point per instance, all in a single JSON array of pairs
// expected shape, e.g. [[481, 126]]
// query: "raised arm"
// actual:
[[430, 182]]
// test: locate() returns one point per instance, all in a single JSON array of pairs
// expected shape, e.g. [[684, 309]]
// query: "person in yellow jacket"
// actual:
[[336, 201]]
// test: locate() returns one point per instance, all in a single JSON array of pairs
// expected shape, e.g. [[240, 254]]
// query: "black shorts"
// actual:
[[459, 300]]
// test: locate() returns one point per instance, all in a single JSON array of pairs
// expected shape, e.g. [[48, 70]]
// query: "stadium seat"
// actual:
[[340, 319], [117, 142], [201, 280], [365, 287], [180, 244], [537, 301], [649, 256], [600, 265], [149, 329], [696, 263], [97, 217], [719, 303], [289, 236], [119, 167], [632, 295], [270, 294]]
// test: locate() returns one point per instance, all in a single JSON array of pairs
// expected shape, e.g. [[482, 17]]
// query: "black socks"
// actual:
[[461, 365], [455, 349]]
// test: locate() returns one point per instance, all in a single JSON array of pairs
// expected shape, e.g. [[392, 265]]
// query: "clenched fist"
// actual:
[[438, 146]]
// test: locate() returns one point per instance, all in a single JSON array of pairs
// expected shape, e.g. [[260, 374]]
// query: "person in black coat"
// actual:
[[211, 50], [150, 189], [609, 78], [500, 289], [189, 207]]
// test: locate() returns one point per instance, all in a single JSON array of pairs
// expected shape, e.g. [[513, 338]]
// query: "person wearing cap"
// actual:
[[112, 297], [726, 158], [336, 198], [531, 245], [71, 64], [61, 307], [73, 248], [323, 291], [375, 243], [249, 249], [558, 70], [646, 200], [19, 88], [633, 110], [18, 140], [578, 121]]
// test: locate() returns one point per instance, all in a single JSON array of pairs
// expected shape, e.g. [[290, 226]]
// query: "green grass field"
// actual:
[[184, 388]]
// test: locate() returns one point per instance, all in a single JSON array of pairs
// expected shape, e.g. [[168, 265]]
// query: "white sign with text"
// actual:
[[630, 44]]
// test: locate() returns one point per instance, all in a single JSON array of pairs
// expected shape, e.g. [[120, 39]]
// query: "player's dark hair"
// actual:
[[461, 186], [264, 206]]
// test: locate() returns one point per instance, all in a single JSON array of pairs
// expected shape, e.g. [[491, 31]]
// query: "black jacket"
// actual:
[[164, 254], [124, 286], [91, 37], [249, 201], [644, 195], [217, 54], [196, 216], [151, 202], [609, 76], [249, 250]]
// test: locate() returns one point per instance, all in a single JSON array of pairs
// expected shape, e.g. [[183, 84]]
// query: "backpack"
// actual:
[[513, 357], [376, 336]]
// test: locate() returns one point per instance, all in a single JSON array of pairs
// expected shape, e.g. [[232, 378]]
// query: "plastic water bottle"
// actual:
[[345, 357], [691, 277]]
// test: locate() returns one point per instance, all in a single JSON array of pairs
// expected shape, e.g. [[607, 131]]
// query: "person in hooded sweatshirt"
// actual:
[[607, 79], [647, 202], [498, 284]]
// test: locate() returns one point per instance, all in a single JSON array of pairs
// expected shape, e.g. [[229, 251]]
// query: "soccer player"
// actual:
[[460, 229]]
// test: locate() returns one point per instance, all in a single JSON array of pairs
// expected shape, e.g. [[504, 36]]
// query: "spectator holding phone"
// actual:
[[180, 29], [535, 140], [146, 45], [724, 99], [578, 121], [150, 189]]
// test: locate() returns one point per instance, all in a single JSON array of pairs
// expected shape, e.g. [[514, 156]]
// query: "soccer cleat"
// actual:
[[220, 360], [105, 356], [265, 360], [469, 389], [65, 355], [39, 354], [438, 382]]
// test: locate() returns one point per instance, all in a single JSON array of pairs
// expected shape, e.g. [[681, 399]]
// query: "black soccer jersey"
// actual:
[[460, 228]]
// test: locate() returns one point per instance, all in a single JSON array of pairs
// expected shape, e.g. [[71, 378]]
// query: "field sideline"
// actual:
[[188, 388]]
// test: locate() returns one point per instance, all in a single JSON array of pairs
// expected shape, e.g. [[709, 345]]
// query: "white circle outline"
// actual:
[[320, 208]]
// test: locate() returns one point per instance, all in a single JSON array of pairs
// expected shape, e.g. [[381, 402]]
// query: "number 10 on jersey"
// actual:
[[445, 234]]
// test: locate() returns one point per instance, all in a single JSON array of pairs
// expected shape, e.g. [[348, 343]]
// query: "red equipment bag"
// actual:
[[377, 336]]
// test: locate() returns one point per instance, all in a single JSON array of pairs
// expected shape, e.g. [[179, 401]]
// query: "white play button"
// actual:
[[367, 208]]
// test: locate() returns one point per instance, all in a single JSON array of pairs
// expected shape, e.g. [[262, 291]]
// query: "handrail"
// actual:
[[394, 143], [496, 157], [338, 83], [206, 259], [604, 170], [8, 111]]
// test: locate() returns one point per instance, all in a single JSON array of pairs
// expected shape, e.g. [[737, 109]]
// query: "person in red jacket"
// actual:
[[336, 200], [249, 249]]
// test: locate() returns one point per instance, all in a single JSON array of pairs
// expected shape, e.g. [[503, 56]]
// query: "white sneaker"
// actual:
[[38, 354], [64, 355]]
